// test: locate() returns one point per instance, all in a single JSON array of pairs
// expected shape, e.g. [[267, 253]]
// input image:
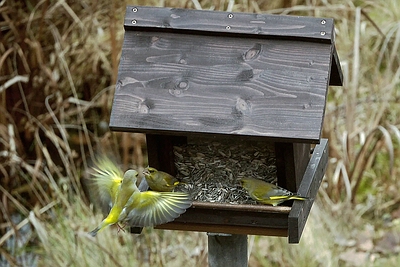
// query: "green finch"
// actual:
[[267, 193], [160, 181], [143, 208], [123, 194]]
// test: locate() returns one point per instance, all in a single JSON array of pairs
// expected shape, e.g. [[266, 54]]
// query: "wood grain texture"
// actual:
[[291, 162], [223, 228], [309, 187], [232, 219], [179, 84], [226, 23], [160, 154], [227, 250]]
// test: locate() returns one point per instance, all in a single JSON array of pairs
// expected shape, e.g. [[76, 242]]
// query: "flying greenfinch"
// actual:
[[267, 193], [143, 208], [107, 176], [160, 181], [123, 193]]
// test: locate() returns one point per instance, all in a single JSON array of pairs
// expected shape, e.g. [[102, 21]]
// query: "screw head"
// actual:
[[323, 22], [230, 15], [134, 9], [134, 21], [228, 27], [182, 84], [323, 33]]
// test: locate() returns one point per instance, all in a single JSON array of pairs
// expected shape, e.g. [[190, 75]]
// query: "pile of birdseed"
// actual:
[[211, 169]]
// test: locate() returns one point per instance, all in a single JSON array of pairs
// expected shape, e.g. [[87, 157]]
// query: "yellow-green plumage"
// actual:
[[152, 208], [160, 181], [147, 208], [267, 193], [108, 177], [125, 190]]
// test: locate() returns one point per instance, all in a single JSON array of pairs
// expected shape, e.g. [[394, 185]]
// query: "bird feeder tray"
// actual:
[[204, 75]]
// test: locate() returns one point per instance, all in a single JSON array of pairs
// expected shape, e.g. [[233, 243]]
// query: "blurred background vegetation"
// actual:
[[58, 67]]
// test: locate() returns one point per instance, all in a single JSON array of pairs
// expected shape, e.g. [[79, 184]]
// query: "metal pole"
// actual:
[[227, 250]]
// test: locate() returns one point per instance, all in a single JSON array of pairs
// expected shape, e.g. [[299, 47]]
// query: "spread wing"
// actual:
[[156, 208], [108, 177]]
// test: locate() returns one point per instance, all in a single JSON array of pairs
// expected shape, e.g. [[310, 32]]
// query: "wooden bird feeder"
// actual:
[[189, 76]]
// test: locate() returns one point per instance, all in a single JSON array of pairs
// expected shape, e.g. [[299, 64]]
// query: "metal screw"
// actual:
[[134, 9], [323, 22], [323, 33], [183, 84], [228, 27], [230, 15], [134, 21]]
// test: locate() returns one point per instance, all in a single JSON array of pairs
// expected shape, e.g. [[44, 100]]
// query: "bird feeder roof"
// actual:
[[204, 72]]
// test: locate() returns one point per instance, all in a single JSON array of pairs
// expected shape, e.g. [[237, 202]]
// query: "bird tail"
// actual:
[[94, 231], [296, 197], [101, 226], [290, 197]]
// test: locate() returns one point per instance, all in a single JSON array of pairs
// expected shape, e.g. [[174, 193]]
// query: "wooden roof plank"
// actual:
[[207, 84], [226, 23]]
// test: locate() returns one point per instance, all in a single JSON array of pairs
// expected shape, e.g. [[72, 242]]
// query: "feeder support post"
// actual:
[[227, 250]]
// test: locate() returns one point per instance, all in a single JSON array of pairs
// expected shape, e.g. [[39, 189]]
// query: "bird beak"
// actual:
[[146, 171]]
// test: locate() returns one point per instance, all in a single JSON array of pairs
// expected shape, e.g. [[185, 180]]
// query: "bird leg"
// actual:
[[121, 227]]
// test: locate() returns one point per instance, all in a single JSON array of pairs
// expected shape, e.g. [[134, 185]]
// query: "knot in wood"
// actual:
[[242, 106], [154, 39], [252, 53], [143, 108]]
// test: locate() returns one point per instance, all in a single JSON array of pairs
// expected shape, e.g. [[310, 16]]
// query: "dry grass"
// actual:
[[67, 243], [58, 65]]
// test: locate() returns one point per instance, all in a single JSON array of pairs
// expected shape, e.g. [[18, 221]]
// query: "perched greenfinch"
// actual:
[[160, 181], [267, 193], [147, 208]]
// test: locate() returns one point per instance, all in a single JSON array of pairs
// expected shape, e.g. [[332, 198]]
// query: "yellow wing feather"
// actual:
[[156, 208], [108, 177]]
